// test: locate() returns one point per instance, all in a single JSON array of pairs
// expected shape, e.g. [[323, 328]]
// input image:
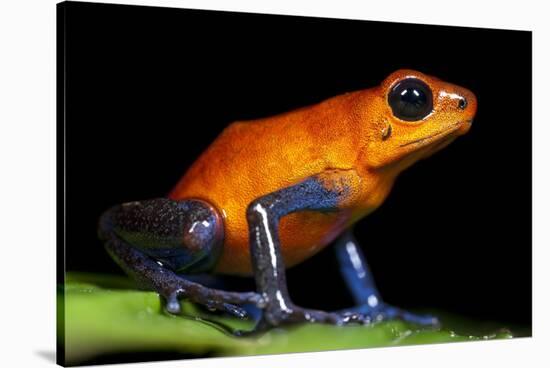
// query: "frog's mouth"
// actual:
[[409, 152], [448, 134]]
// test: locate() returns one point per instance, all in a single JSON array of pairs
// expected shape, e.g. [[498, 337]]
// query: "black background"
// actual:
[[147, 89]]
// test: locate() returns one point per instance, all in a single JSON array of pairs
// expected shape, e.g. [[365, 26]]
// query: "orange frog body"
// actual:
[[270, 193]]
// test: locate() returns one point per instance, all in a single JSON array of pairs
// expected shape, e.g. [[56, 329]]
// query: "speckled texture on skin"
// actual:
[[347, 132]]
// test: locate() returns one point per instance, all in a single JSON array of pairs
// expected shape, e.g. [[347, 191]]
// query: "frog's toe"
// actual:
[[420, 319], [388, 312], [235, 310], [172, 305]]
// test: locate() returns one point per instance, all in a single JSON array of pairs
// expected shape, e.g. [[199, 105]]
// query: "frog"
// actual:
[[269, 193]]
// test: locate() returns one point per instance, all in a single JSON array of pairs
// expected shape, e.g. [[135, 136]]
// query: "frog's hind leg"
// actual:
[[156, 239], [360, 282]]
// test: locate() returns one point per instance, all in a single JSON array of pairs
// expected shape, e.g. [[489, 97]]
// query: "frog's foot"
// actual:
[[172, 287], [212, 299], [362, 314], [384, 312], [292, 314], [357, 275]]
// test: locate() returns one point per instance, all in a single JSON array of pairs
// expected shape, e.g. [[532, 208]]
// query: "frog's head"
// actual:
[[414, 115]]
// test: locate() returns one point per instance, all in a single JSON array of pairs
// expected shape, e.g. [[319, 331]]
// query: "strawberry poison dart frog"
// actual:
[[269, 193]]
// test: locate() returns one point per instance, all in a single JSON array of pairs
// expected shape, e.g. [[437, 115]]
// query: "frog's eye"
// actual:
[[411, 99]]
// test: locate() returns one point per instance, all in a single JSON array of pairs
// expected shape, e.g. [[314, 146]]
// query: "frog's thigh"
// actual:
[[184, 235]]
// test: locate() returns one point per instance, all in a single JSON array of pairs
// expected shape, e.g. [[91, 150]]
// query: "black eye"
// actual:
[[411, 100]]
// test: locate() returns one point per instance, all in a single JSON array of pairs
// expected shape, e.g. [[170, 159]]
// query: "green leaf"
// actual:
[[105, 314]]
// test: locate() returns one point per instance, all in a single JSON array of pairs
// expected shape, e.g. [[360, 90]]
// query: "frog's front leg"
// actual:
[[324, 192], [358, 278], [153, 239]]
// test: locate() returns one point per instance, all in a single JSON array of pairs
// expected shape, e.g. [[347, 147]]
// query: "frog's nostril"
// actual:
[[462, 103]]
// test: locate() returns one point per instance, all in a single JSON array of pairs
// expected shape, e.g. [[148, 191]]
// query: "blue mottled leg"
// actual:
[[156, 240], [360, 282]]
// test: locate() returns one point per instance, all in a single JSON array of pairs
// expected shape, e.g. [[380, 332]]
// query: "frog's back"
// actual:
[[254, 158]]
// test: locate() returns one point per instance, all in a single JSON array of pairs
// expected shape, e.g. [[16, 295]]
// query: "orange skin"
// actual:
[[353, 138]]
